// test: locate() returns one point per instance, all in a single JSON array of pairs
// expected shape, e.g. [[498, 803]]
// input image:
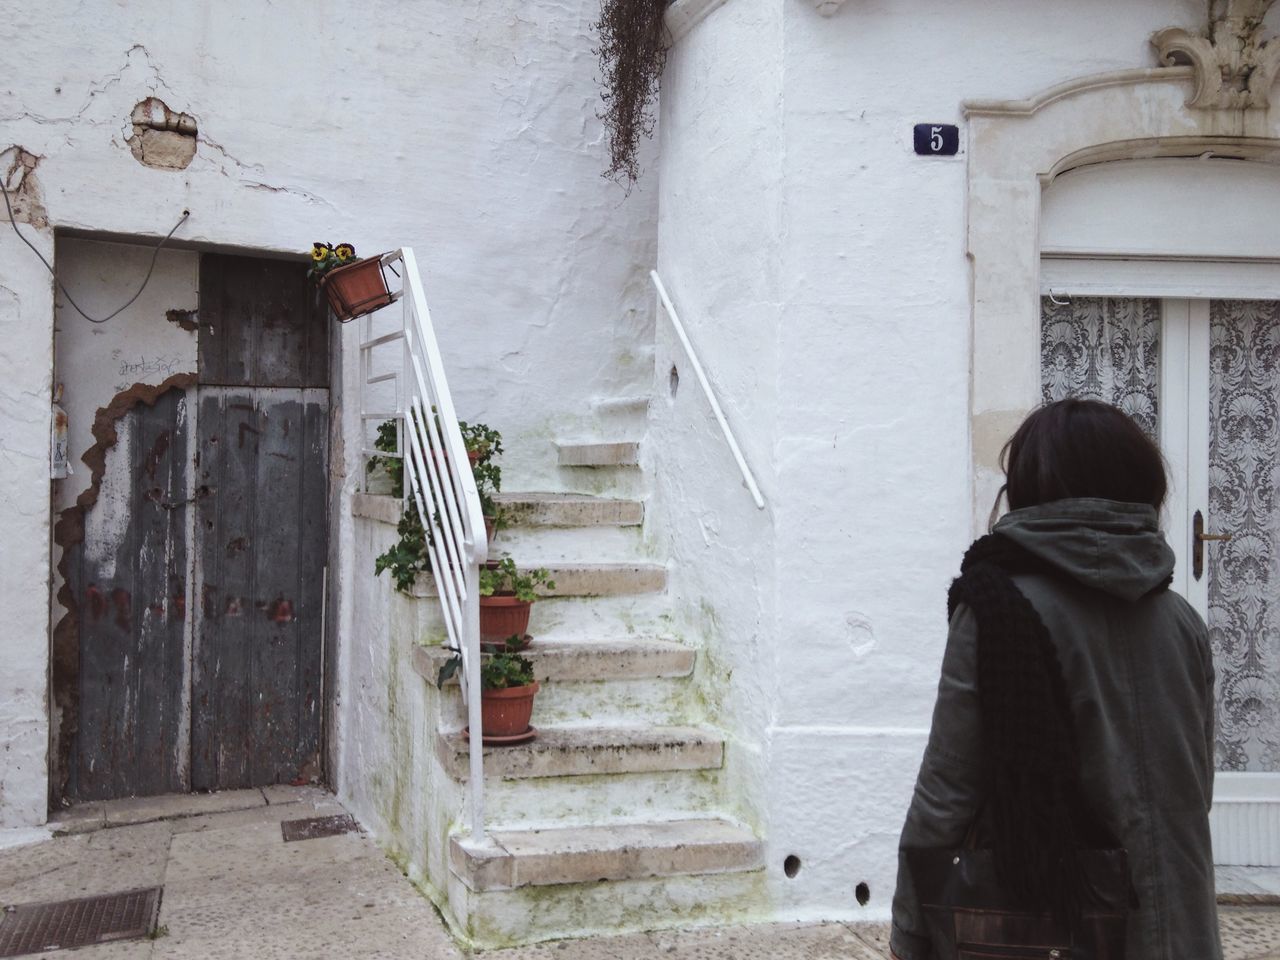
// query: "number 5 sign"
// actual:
[[937, 139]]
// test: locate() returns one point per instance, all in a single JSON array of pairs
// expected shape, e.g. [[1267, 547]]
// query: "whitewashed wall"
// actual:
[[464, 129], [821, 268]]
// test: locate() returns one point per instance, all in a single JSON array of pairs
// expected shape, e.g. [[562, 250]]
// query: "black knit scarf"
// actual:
[[1035, 814]]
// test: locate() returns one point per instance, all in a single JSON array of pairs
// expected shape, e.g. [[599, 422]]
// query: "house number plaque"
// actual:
[[937, 139]]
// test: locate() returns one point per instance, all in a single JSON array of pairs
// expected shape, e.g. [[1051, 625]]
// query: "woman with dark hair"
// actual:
[[1074, 713]]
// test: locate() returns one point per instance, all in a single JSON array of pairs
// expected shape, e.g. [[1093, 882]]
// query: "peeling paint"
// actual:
[[184, 319], [17, 166], [68, 531]]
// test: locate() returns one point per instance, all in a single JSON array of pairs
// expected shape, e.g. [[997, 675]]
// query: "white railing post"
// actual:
[[439, 485], [747, 475]]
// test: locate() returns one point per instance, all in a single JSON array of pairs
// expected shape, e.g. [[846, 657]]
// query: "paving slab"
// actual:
[[85, 865], [168, 806], [774, 941], [1250, 933]]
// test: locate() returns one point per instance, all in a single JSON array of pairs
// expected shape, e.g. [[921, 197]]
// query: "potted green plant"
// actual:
[[506, 598], [508, 688], [353, 285], [483, 445]]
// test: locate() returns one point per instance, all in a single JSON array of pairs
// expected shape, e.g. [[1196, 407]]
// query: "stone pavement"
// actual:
[[234, 889]]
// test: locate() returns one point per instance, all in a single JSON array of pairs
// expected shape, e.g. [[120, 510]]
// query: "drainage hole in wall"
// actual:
[[791, 865], [673, 379], [863, 893]]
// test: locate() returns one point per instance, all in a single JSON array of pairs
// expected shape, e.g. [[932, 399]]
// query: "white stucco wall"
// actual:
[[855, 401], [466, 132], [26, 368]]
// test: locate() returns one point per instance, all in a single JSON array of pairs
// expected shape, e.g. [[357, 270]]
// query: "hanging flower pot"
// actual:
[[353, 287], [356, 289]]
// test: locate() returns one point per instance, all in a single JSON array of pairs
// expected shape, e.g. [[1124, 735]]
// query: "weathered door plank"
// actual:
[[129, 577], [262, 323], [263, 535]]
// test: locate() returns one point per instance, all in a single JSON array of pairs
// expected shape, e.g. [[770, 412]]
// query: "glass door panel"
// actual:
[[1103, 348], [1243, 606]]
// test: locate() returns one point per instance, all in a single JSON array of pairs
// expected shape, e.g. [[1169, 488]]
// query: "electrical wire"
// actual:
[[145, 280]]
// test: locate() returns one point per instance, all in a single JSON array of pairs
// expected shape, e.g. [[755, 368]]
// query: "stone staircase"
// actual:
[[613, 818]]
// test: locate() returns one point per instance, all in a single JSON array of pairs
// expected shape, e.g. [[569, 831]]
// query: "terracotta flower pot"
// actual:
[[356, 289], [490, 527], [503, 615], [506, 713]]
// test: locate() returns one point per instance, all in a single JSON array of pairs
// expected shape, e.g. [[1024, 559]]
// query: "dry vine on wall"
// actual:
[[632, 51]]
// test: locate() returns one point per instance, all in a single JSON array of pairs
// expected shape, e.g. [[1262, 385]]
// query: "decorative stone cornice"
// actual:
[[828, 8], [1234, 64]]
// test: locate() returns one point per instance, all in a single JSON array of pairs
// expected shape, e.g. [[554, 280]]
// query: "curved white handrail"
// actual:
[[440, 486], [747, 475]]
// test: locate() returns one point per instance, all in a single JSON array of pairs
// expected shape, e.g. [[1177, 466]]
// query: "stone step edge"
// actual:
[[584, 662], [567, 511], [584, 453], [584, 580], [587, 751], [564, 855]]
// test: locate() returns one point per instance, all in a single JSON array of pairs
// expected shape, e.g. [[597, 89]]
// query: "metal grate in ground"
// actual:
[[37, 927], [313, 827]]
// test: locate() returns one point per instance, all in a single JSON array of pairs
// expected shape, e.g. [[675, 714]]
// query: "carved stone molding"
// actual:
[[828, 8], [1235, 65]]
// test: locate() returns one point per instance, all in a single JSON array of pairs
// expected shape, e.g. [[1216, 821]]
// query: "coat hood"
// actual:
[[1113, 547]]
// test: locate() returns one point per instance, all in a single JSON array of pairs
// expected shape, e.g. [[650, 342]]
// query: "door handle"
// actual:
[[1199, 538]]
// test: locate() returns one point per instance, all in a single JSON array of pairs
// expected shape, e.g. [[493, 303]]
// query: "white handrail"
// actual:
[[439, 485], [747, 475]]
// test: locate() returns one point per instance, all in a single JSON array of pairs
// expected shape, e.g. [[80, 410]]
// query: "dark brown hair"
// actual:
[[1081, 448]]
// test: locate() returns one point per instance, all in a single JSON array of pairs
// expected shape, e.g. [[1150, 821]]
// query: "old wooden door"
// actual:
[[261, 526], [224, 689]]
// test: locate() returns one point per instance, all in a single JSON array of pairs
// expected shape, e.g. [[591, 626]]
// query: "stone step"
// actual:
[[591, 454], [587, 751], [559, 801], [589, 854], [569, 510], [585, 580], [569, 662]]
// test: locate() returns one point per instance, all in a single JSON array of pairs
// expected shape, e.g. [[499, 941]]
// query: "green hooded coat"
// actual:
[[1139, 677]]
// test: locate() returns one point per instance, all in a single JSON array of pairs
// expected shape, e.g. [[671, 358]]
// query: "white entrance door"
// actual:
[[1203, 377]]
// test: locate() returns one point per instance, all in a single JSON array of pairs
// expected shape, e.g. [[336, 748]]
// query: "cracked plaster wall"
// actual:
[[821, 270], [465, 132]]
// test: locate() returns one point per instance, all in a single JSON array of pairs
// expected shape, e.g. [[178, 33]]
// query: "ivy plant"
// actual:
[[394, 466], [506, 578], [409, 556]]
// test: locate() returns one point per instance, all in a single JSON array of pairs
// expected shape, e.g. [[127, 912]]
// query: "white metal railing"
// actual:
[[438, 484], [670, 309]]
